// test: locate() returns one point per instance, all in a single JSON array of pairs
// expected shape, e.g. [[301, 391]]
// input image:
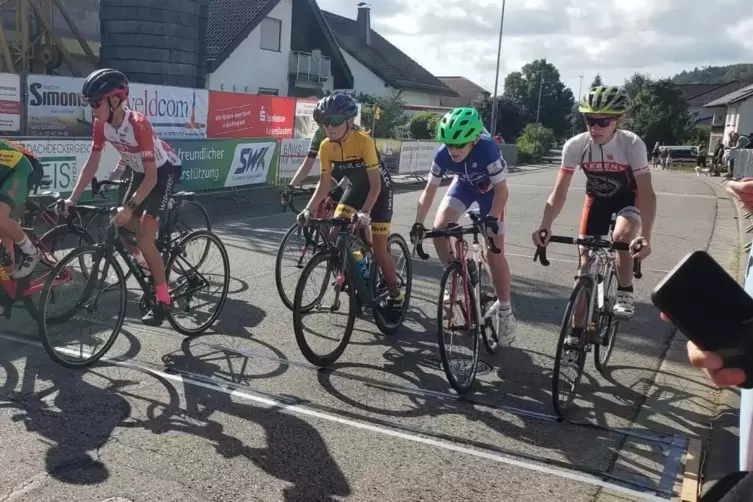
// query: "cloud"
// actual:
[[615, 38]]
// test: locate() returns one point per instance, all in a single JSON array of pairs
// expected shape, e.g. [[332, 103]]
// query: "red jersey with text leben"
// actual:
[[610, 169], [136, 142]]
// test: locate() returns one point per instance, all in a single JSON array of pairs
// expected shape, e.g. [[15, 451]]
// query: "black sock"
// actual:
[[628, 289]]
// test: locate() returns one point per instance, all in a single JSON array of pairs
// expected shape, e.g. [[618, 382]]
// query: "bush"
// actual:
[[424, 125], [524, 158], [535, 141]]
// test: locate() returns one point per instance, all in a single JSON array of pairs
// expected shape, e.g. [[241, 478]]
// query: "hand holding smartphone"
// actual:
[[711, 309]]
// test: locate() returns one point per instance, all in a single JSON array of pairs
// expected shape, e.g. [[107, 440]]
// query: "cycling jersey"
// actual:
[[316, 142], [17, 173], [481, 170], [354, 158], [136, 142], [610, 169]]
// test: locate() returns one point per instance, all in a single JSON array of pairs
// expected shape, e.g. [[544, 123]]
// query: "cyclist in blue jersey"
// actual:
[[481, 177]]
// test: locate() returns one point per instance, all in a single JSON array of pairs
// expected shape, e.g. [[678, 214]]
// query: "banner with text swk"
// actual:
[[56, 108], [226, 163]]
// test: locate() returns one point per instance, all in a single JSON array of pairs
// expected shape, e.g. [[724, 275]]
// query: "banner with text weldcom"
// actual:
[[175, 112], [205, 162], [254, 162], [64, 159]]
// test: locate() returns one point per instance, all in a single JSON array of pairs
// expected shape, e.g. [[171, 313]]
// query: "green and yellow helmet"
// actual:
[[607, 100], [459, 126]]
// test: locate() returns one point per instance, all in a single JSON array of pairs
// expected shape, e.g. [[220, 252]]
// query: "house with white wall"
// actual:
[[731, 113], [277, 47], [379, 67]]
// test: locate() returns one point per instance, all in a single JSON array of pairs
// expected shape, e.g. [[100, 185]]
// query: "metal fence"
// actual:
[[742, 162]]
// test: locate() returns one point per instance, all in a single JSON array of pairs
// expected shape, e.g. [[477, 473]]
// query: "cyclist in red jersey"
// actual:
[[153, 168]]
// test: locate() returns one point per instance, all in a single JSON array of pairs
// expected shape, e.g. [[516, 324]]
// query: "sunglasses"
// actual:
[[459, 146], [94, 102], [602, 122], [332, 121]]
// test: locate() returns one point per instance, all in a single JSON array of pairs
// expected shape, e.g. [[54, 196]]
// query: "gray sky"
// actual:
[[613, 37]]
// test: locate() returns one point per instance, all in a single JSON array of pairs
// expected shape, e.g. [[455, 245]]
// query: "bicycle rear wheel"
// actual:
[[192, 216], [89, 301], [388, 319], [563, 393], [342, 286], [461, 369], [608, 325], [308, 240]]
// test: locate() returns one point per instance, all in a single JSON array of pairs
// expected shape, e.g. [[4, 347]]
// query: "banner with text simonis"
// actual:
[[236, 115], [56, 108], [64, 159], [253, 162]]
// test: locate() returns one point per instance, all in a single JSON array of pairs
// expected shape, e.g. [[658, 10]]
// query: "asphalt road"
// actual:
[[238, 414]]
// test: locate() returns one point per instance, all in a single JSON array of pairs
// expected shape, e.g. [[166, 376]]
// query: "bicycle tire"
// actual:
[[391, 327], [456, 268], [488, 297], [45, 240], [349, 290], [205, 219], [603, 349], [582, 284], [286, 300], [177, 253], [44, 301]]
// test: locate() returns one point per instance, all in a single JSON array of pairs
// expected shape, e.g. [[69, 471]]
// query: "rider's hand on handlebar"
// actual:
[[417, 232], [640, 248], [541, 237], [363, 218], [65, 206], [492, 226], [303, 217]]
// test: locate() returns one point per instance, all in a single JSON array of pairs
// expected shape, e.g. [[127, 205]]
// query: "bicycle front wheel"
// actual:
[[455, 291], [343, 289], [58, 326], [571, 356], [608, 325], [488, 297], [297, 246]]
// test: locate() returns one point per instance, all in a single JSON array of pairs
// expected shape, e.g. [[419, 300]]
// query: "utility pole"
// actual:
[[493, 128], [541, 86]]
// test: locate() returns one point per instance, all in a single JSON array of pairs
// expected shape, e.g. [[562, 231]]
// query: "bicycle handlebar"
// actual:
[[477, 227], [97, 185], [591, 243]]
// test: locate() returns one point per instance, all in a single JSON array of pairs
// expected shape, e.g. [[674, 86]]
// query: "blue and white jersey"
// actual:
[[482, 169]]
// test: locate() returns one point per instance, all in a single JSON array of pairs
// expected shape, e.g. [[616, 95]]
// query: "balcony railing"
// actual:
[[310, 68]]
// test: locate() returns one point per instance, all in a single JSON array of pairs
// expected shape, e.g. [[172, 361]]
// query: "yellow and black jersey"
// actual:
[[353, 158]]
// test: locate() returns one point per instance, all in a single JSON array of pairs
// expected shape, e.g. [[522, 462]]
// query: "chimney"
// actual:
[[364, 21]]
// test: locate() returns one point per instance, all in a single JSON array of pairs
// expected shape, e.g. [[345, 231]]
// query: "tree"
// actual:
[[511, 117], [392, 114], [557, 100], [535, 140], [597, 81], [660, 113], [424, 125], [634, 84]]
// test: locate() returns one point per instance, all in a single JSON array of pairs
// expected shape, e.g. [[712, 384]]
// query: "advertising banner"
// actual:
[[389, 149], [304, 118], [10, 102], [236, 115], [417, 156], [57, 108], [292, 153], [64, 159], [218, 163]]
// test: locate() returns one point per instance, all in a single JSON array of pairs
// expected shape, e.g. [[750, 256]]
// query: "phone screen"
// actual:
[[706, 303]]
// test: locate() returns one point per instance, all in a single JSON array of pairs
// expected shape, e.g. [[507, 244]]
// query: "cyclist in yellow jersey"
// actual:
[[349, 152]]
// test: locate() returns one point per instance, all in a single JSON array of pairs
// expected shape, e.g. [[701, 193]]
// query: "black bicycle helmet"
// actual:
[[105, 83], [336, 105]]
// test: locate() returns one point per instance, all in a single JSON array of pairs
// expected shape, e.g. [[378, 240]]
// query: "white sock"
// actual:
[[505, 308], [26, 246]]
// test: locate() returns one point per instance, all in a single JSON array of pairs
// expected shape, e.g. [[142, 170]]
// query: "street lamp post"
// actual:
[[493, 127]]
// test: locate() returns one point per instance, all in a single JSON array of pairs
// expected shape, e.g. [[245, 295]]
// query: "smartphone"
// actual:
[[710, 308]]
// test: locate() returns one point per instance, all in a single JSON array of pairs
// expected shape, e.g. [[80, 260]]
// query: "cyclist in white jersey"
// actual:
[[615, 163], [153, 166]]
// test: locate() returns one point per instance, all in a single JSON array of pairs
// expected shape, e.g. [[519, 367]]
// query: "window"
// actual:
[[270, 30], [268, 92]]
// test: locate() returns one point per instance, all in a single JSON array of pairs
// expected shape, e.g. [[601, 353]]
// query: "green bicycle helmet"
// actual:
[[459, 126], [607, 100]]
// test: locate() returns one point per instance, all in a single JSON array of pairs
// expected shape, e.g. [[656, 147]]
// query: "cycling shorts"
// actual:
[[155, 204], [597, 213], [460, 196], [381, 214], [15, 180]]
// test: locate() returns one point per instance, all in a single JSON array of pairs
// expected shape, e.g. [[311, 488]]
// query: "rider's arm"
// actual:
[[645, 195], [432, 184], [303, 170], [556, 200], [92, 163], [497, 170], [325, 177], [371, 161]]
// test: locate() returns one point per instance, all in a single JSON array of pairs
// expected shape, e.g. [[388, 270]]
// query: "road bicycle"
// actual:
[[362, 287], [300, 243], [37, 206], [471, 288], [184, 290], [588, 321]]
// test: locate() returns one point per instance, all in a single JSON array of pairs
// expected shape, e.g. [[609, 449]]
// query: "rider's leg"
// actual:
[[13, 193], [453, 205], [626, 228]]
